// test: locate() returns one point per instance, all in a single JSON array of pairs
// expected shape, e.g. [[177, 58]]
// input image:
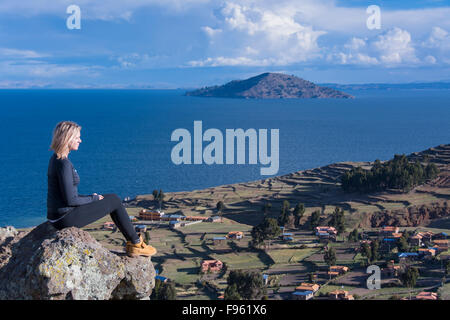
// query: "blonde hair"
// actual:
[[63, 134]]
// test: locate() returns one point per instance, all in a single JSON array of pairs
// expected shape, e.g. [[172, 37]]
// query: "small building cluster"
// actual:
[[305, 291], [238, 235], [286, 236], [175, 220], [326, 233], [211, 265], [424, 295], [340, 295], [337, 271]]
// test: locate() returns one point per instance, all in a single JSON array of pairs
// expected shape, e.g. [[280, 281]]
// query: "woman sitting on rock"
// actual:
[[67, 208]]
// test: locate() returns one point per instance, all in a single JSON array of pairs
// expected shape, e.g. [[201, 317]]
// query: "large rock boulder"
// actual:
[[45, 263]]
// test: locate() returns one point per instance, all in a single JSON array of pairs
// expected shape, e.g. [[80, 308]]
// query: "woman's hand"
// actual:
[[100, 197]]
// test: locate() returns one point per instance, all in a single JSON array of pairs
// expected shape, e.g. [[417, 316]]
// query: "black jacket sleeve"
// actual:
[[68, 190]]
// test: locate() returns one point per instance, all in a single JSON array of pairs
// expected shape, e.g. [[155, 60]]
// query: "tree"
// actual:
[[299, 211], [367, 251], [315, 218], [231, 293], [220, 206], [257, 236], [353, 236], [403, 244], [266, 208], [374, 246], [248, 285], [266, 230], [397, 173], [409, 277], [337, 220], [163, 291], [283, 217], [330, 257], [159, 196]]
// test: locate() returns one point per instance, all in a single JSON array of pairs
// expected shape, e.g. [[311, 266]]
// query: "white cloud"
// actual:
[[17, 53], [41, 69], [439, 38], [210, 31], [355, 44], [395, 47], [253, 33]]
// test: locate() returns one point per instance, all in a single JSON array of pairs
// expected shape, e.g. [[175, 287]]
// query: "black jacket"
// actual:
[[62, 195]]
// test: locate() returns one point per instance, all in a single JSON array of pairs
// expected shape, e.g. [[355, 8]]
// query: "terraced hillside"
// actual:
[[320, 188]]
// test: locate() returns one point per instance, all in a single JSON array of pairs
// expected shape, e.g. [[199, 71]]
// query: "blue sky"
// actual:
[[191, 43]]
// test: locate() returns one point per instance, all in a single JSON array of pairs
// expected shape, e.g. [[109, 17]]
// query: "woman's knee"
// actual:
[[113, 198]]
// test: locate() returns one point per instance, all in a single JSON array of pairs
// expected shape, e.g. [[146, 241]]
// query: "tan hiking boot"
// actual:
[[139, 249]]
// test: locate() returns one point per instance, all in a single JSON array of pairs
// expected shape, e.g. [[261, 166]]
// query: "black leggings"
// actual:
[[88, 213]]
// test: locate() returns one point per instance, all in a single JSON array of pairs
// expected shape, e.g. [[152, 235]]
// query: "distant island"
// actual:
[[270, 86]]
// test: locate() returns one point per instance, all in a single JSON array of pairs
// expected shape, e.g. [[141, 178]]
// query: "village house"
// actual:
[[440, 245], [426, 296], [235, 235], [302, 295], [324, 231], [388, 231], [416, 240], [212, 265], [174, 224], [337, 270], [287, 236], [397, 235], [407, 256], [145, 214], [340, 295], [427, 235], [109, 225], [308, 287], [427, 253]]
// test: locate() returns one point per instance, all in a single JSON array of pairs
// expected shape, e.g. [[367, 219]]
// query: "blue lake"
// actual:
[[126, 146]]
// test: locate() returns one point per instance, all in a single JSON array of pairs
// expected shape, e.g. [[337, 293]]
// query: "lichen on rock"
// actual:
[[70, 264]]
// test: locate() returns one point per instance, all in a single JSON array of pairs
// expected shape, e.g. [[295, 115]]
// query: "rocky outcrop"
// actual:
[[269, 86], [7, 232], [409, 217], [45, 263]]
